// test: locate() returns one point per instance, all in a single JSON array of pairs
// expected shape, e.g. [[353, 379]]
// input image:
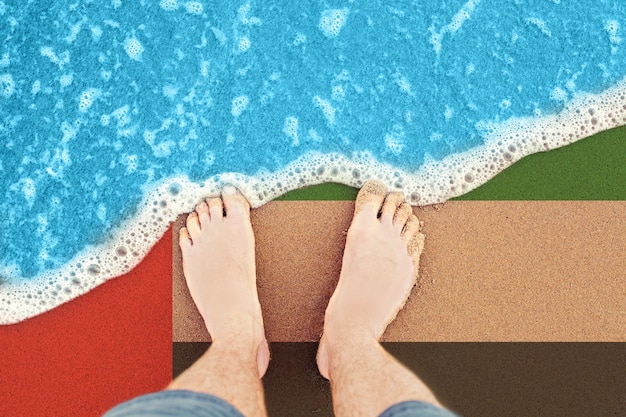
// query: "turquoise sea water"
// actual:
[[103, 102]]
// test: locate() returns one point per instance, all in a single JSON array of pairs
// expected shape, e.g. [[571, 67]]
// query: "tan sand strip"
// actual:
[[491, 271]]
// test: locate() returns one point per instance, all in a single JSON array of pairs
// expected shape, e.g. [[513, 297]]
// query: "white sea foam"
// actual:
[[239, 104], [332, 20], [96, 33], [243, 44], [36, 87], [242, 13], [66, 80], [457, 21], [5, 61], [435, 181], [133, 48], [87, 97], [7, 85], [541, 25], [300, 39], [291, 129], [194, 7], [327, 109], [168, 5]]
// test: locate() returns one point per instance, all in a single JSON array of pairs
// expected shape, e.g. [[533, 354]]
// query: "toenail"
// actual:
[[230, 190]]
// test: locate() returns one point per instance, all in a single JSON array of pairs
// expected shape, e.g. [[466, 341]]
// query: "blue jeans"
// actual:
[[194, 404]]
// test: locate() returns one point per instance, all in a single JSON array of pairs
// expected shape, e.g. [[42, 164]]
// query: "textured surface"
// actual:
[[101, 349], [527, 271], [474, 379]]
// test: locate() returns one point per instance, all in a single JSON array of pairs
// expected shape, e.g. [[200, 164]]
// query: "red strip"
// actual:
[[96, 351]]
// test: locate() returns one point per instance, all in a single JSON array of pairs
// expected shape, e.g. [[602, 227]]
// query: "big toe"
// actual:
[[370, 197], [235, 204]]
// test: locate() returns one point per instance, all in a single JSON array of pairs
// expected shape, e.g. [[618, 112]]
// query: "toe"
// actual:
[[184, 240], [203, 214], [193, 226], [411, 228], [370, 198], [416, 245], [392, 202], [216, 208], [235, 204], [402, 214]]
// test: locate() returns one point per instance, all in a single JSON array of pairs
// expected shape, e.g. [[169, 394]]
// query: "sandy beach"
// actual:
[[491, 271]]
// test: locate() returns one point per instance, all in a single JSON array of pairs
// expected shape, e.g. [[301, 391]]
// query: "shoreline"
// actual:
[[584, 116]]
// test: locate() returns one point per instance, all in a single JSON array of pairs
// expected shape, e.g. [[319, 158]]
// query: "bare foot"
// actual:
[[379, 269], [219, 266]]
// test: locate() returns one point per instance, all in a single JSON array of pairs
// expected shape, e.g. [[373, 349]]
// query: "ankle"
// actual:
[[349, 336], [238, 330]]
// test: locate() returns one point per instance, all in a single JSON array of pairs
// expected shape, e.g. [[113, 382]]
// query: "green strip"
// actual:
[[590, 169], [328, 191]]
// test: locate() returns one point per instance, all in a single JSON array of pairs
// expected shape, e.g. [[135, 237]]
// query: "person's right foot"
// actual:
[[379, 268], [218, 261]]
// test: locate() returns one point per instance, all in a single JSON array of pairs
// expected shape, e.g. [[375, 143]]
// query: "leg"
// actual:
[[379, 269], [219, 266]]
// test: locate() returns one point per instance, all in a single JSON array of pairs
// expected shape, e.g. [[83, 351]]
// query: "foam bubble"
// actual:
[[558, 94], [170, 91], [60, 60], [101, 213], [87, 98], [204, 68], [239, 104], [290, 129], [130, 161], [504, 104], [36, 87], [612, 26], [332, 20], [404, 84], [327, 109], [75, 30], [169, 5], [149, 136], [244, 44], [243, 16], [457, 21], [65, 80], [394, 141], [540, 24], [29, 189], [220, 36], [122, 115], [299, 39], [462, 15], [7, 85], [5, 61], [194, 7], [96, 33], [338, 93], [116, 3], [133, 48], [314, 136]]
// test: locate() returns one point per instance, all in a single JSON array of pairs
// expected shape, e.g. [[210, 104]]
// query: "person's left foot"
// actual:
[[219, 266]]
